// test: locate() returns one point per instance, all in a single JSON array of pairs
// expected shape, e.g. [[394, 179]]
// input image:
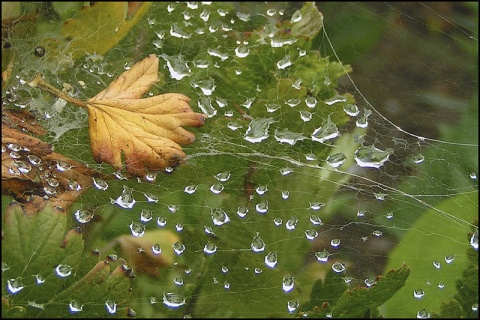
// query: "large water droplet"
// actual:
[[156, 249], [363, 121], [297, 16], [207, 86], [262, 207], [190, 189], [205, 15], [292, 305], [23, 166], [176, 31], [100, 184], [14, 285], [216, 188], [418, 293], [178, 247], [322, 256], [336, 99], [306, 116], [291, 223], [146, 215], [151, 197], [257, 130], [351, 110], [111, 306], [83, 216], [261, 190], [327, 131], [177, 66], [311, 234], [271, 259], [371, 157], [210, 248], [336, 160], [242, 212], [257, 244], [173, 300], [205, 104], [75, 306], [137, 229], [289, 137], [284, 63], [310, 101], [219, 217], [223, 176], [315, 220], [217, 53], [161, 221], [242, 51], [288, 283], [63, 270], [126, 200], [338, 267]]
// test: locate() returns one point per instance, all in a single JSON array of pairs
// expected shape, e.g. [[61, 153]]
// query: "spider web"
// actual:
[[294, 172]]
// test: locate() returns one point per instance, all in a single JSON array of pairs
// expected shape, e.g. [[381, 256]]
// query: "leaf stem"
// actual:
[[42, 84]]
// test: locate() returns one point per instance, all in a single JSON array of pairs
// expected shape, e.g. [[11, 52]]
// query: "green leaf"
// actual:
[[358, 301], [46, 271], [441, 227]]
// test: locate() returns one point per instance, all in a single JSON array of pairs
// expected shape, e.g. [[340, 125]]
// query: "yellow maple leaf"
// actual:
[[146, 132]]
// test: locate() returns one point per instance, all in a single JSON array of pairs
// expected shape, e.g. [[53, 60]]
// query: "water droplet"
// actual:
[[311, 234], [369, 283], [310, 157], [262, 207], [23, 166], [315, 220], [161, 221], [284, 63], [475, 307], [278, 221], [261, 190], [306, 116], [35, 160], [363, 121], [217, 53], [389, 215], [277, 43], [242, 212], [126, 200], [173, 300], [288, 283], [190, 189], [441, 285], [205, 104], [226, 285], [63, 270], [257, 244], [242, 51], [219, 217], [151, 176], [223, 176], [272, 107], [207, 86], [271, 12], [335, 242], [338, 267], [322, 256], [474, 240], [14, 285], [178, 281], [205, 15], [285, 136], [291, 223], [473, 176], [351, 110], [271, 259], [33, 304], [327, 131], [285, 194], [100, 184], [292, 305], [52, 182], [151, 197], [360, 213], [316, 205], [371, 157], [216, 188], [437, 264], [233, 125], [293, 102], [297, 16], [177, 66], [336, 99], [449, 258], [83, 216], [137, 229], [14, 146], [75, 306], [297, 84], [176, 31], [111, 306], [210, 248], [146, 215], [423, 314], [336, 160], [418, 293], [39, 279], [173, 208], [156, 249], [178, 247], [377, 233]]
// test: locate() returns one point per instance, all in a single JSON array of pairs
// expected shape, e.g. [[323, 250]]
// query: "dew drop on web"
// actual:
[[288, 283], [257, 245], [262, 207], [126, 199], [216, 188], [146, 215], [156, 249], [242, 212], [291, 223], [173, 300], [14, 285], [161, 221], [111, 306], [83, 216], [418, 293], [178, 247], [322, 256], [75, 306], [210, 248], [219, 217], [137, 229], [292, 305], [271, 259], [338, 267], [63, 270]]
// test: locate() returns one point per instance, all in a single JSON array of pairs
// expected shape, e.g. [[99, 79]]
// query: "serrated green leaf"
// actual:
[[44, 265], [358, 301]]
